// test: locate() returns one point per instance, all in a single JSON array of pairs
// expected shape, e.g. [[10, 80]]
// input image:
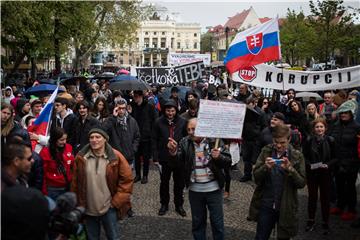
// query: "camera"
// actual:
[[277, 161], [65, 218]]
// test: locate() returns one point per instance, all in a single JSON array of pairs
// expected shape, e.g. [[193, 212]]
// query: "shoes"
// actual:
[[310, 226], [180, 210], [163, 210], [130, 213], [245, 179], [144, 180], [226, 195], [335, 211], [234, 167], [356, 223], [348, 216], [325, 228], [137, 178]]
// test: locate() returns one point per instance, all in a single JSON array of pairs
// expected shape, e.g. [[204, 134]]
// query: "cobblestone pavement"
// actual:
[[146, 224]]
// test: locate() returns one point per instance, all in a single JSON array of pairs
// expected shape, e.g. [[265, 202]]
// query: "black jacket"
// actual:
[[161, 134], [145, 116], [319, 150], [253, 124], [126, 140], [186, 157], [67, 124], [81, 132], [345, 134], [36, 175]]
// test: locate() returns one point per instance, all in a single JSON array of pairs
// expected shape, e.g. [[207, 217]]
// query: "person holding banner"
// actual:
[[279, 172], [203, 167]]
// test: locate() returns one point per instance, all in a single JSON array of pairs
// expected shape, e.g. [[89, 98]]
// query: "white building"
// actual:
[[155, 39]]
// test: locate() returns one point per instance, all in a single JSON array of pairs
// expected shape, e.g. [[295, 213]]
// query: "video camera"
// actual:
[[65, 218]]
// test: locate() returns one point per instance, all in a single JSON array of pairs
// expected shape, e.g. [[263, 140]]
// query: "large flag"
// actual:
[[42, 122], [253, 46]]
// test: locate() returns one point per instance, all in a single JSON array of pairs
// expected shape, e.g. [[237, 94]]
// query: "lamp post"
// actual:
[[227, 29]]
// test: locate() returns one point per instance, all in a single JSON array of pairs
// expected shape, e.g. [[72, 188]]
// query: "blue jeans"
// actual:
[[54, 193], [200, 202], [108, 221], [266, 222]]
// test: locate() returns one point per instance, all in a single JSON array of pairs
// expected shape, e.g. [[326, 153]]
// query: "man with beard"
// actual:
[[170, 125], [82, 126]]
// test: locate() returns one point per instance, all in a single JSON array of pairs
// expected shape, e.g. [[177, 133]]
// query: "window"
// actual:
[[163, 33], [146, 42], [154, 33], [146, 33], [163, 43], [121, 62], [195, 34], [155, 42], [178, 34], [178, 45], [121, 54], [195, 45], [130, 62], [187, 45], [172, 43]]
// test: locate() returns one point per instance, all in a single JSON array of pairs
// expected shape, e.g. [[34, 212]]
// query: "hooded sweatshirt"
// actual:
[[8, 99]]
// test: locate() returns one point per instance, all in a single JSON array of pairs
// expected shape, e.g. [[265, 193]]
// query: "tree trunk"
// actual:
[[33, 68], [17, 63], [57, 45]]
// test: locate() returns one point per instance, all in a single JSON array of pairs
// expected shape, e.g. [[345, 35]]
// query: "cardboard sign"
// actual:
[[220, 119], [172, 75]]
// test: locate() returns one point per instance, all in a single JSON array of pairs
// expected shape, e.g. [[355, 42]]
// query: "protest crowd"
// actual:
[[101, 142]]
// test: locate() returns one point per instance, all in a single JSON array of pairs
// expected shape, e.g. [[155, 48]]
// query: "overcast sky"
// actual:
[[212, 13]]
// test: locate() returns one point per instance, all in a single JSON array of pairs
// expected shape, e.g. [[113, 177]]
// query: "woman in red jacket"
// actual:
[[58, 161]]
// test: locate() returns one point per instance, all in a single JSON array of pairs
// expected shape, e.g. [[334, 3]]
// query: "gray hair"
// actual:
[[120, 101]]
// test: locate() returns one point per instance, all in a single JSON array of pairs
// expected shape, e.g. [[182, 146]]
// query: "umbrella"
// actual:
[[307, 95], [182, 92], [129, 85], [122, 71], [123, 77], [105, 75], [41, 90]]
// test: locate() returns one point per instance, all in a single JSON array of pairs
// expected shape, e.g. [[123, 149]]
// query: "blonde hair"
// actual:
[[316, 115]]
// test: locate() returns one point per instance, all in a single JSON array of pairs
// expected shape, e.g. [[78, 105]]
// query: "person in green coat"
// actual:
[[279, 172]]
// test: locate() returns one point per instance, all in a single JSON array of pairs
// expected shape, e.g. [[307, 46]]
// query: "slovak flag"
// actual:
[[42, 122], [253, 46]]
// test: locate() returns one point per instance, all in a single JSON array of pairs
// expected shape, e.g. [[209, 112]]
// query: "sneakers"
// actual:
[[348, 216], [335, 211], [163, 210], [144, 180], [180, 210], [310, 226], [245, 179]]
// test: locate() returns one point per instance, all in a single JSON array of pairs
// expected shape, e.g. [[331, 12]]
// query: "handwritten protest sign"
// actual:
[[220, 119], [172, 75]]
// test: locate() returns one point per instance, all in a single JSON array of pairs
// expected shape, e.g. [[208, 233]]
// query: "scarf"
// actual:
[[123, 120]]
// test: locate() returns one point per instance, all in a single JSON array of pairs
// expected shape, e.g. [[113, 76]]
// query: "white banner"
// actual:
[[266, 76], [220, 119], [183, 58]]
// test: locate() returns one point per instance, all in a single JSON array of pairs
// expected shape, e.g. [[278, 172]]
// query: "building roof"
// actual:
[[265, 19], [237, 20], [217, 28]]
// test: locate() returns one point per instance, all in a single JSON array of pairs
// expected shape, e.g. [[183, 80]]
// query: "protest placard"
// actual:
[[220, 119], [172, 75], [184, 58], [263, 75]]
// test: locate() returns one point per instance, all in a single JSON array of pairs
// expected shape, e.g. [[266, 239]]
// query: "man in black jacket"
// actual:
[[82, 126], [123, 131], [203, 175], [170, 125], [145, 116]]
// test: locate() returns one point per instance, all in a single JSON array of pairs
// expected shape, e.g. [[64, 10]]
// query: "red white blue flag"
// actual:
[[253, 46], [42, 122]]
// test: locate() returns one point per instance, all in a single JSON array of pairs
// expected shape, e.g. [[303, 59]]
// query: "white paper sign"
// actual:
[[184, 58], [220, 119]]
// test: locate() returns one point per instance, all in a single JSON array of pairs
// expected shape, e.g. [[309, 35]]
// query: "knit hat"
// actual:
[[348, 106], [279, 115], [170, 103], [99, 131]]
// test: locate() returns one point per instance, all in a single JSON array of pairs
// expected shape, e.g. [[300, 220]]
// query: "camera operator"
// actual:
[[102, 181]]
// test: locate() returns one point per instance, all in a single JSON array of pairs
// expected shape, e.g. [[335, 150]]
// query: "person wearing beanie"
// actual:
[[106, 196], [346, 132], [22, 108], [169, 125]]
